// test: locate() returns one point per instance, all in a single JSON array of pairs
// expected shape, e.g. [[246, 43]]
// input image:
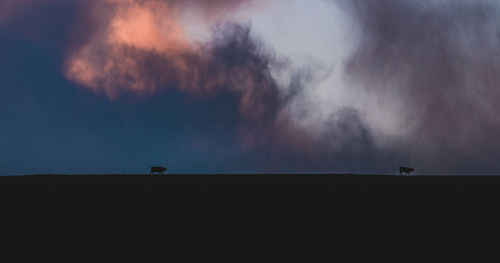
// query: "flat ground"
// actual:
[[116, 188]]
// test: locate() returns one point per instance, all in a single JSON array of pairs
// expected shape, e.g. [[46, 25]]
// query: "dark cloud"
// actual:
[[105, 53], [435, 62], [439, 60], [232, 65]]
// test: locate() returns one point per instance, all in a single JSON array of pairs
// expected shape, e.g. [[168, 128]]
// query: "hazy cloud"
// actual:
[[433, 67]]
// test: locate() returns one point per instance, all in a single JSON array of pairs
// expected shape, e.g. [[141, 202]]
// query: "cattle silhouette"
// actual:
[[405, 170], [158, 170]]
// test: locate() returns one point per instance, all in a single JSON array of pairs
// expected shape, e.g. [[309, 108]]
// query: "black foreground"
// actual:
[[165, 188]]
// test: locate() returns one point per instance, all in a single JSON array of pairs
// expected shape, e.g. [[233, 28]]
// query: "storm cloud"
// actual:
[[429, 72], [420, 86], [120, 48], [143, 49]]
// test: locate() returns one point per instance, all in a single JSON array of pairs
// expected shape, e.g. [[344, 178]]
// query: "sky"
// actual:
[[249, 86]]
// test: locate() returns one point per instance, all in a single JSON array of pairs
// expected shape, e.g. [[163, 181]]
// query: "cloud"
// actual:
[[423, 76], [119, 48], [142, 48], [429, 75]]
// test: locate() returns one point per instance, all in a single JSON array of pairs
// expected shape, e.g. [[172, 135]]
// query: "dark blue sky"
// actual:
[[51, 125]]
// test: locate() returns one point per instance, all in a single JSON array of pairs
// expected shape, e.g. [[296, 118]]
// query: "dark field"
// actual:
[[343, 188]]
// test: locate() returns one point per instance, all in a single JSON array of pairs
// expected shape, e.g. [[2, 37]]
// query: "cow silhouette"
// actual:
[[405, 170], [157, 170]]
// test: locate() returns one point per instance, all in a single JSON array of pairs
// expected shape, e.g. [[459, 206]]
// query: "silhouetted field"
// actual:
[[343, 188]]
